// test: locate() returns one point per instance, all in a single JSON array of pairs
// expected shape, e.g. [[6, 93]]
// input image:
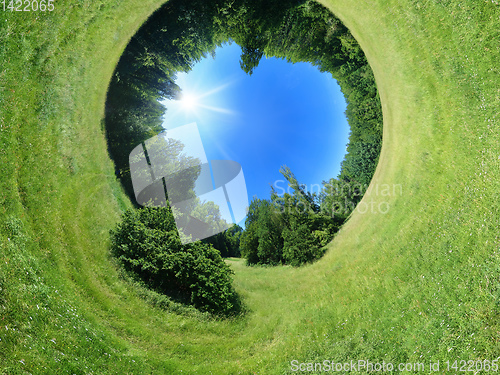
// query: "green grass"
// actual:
[[419, 283]]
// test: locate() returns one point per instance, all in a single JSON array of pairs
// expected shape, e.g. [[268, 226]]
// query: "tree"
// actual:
[[261, 242], [300, 244], [227, 242], [178, 35], [288, 229], [360, 162]]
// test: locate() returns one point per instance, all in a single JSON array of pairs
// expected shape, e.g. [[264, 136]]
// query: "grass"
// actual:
[[418, 284]]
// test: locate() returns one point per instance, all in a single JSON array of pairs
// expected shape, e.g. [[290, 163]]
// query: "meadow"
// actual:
[[416, 284]]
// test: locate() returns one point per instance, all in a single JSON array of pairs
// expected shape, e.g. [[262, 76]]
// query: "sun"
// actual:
[[188, 101], [195, 102]]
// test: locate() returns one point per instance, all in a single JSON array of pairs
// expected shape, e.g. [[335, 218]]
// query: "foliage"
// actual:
[[339, 197], [301, 31], [165, 45], [227, 242], [305, 31], [290, 229], [298, 31], [147, 244], [300, 245]]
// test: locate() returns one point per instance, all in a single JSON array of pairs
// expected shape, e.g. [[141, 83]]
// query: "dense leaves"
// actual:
[[227, 242], [174, 38], [147, 244], [288, 229]]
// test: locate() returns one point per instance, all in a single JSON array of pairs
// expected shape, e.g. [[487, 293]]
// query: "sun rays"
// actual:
[[196, 103]]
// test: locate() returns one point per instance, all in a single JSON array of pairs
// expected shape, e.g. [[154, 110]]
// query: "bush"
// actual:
[[147, 244]]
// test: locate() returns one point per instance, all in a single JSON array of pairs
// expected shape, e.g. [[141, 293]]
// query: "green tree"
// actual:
[[227, 242], [287, 229], [300, 244], [182, 32], [360, 162], [261, 242]]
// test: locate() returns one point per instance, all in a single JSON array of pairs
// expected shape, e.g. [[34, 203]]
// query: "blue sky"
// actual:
[[284, 114]]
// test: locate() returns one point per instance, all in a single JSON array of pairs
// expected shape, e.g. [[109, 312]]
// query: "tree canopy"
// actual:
[[288, 229]]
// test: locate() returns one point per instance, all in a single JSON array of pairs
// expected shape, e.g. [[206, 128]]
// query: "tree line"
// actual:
[[289, 229], [294, 228]]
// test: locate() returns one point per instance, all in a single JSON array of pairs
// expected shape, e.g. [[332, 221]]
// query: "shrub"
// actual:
[[147, 244]]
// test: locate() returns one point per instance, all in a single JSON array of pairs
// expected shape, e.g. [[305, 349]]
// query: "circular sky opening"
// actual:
[[282, 114]]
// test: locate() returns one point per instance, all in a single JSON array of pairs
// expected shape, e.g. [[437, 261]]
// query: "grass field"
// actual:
[[419, 283]]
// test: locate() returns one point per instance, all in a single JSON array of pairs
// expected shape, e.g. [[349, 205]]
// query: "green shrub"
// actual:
[[148, 246]]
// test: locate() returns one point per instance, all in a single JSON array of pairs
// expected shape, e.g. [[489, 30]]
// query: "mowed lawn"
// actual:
[[413, 277]]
